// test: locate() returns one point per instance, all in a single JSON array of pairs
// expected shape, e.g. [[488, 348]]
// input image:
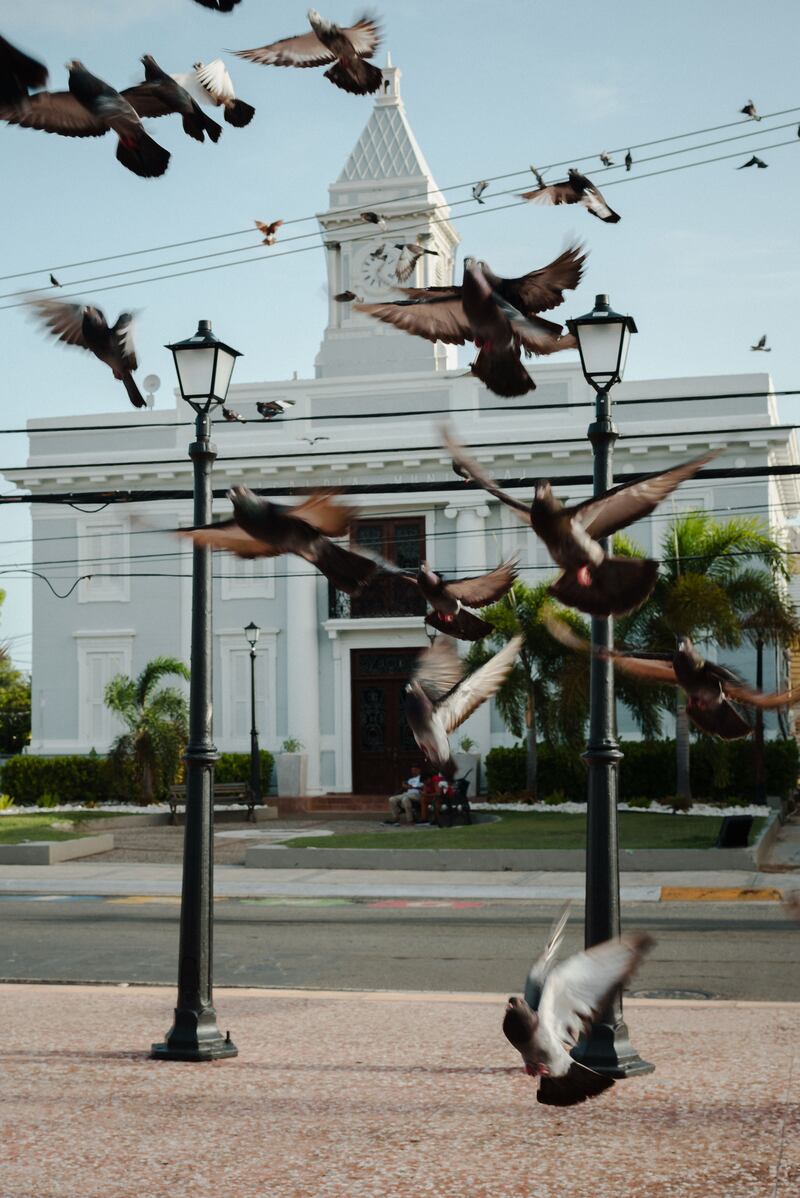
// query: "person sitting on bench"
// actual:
[[404, 802]]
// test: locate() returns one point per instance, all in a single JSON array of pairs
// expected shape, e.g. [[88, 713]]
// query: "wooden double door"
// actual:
[[384, 750]]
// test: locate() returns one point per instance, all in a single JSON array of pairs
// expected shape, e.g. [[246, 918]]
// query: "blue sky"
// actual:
[[705, 259]]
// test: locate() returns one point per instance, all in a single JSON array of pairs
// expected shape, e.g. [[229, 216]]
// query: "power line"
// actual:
[[260, 257], [415, 195]]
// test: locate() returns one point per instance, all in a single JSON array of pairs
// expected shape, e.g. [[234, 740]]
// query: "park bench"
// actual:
[[225, 793]]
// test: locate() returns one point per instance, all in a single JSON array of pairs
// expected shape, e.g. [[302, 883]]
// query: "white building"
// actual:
[[329, 672]]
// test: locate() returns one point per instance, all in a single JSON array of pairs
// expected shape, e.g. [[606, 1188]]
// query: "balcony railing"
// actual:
[[387, 596]]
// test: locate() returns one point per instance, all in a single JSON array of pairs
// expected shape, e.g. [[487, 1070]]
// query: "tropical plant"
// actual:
[[292, 745], [771, 622], [546, 694], [157, 725], [713, 576]]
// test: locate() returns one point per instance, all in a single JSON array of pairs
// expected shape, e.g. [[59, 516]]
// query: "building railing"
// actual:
[[387, 596]]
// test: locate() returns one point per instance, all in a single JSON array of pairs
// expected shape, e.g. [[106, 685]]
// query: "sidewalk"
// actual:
[[231, 881], [385, 1095]]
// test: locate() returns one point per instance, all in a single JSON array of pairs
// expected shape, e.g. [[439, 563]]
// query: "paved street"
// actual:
[[733, 951]]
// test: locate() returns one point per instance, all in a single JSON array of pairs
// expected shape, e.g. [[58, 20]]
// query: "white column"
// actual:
[[302, 666], [471, 559]]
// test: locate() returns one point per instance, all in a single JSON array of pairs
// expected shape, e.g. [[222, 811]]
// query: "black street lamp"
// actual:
[[252, 633], [603, 337], [204, 366]]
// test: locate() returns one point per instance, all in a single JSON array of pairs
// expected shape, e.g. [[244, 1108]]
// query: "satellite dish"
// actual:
[[151, 384]]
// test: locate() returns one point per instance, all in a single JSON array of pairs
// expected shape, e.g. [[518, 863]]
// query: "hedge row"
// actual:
[[92, 779], [719, 769]]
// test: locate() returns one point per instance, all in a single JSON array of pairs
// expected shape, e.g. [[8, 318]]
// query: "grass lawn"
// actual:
[[539, 830], [15, 829]]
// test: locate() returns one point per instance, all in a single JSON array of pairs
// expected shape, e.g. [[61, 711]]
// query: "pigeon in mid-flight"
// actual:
[[268, 409], [218, 5], [348, 49], [628, 161], [563, 1001], [19, 75], [374, 218], [591, 580], [575, 189], [86, 326], [709, 687], [498, 315], [91, 108], [161, 95], [347, 297], [606, 158], [410, 254], [210, 84], [750, 110], [478, 190], [438, 698], [450, 600], [260, 528], [761, 345], [754, 161], [269, 232]]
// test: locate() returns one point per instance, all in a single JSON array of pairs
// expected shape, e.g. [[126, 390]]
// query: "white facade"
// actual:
[[312, 672]]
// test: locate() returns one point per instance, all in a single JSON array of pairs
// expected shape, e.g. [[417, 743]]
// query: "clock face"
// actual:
[[377, 267]]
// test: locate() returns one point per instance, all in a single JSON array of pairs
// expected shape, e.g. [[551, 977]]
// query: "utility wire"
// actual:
[[260, 257], [414, 195]]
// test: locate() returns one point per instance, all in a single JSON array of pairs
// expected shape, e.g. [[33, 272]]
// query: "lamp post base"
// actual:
[[194, 1036], [608, 1051]]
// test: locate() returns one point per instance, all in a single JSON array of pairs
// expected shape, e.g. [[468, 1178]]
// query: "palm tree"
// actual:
[[771, 622], [708, 584], [157, 724], [547, 692]]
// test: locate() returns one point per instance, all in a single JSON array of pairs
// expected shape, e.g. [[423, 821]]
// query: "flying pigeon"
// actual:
[[348, 49], [313, 440], [379, 252], [86, 326], [575, 189], [538, 177], [750, 110], [210, 84], [499, 315], [270, 231], [161, 95], [761, 344], [628, 161], [218, 5], [346, 297], [478, 191], [374, 218], [260, 528], [271, 408], [438, 698], [606, 158], [709, 687], [591, 580], [754, 161], [54, 281], [89, 109], [230, 415], [19, 75], [409, 256], [450, 600], [561, 1002]]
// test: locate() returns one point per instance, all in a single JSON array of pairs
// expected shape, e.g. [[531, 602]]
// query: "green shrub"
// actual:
[[6, 801], [235, 767], [554, 799], [559, 769], [47, 800], [72, 779], [640, 803]]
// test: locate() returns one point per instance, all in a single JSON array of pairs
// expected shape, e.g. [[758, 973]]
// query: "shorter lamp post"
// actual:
[[603, 337], [252, 633], [204, 366]]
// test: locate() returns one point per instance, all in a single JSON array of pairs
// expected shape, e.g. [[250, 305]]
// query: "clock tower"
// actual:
[[387, 174]]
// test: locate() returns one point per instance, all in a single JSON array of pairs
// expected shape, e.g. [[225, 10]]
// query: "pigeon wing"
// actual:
[[364, 36], [147, 99], [472, 470], [742, 693], [123, 335], [454, 708], [227, 534], [214, 77], [322, 512], [486, 588], [594, 201], [439, 668], [406, 262], [18, 69], [628, 502], [577, 991], [55, 112], [537, 975], [64, 321], [440, 318], [554, 193], [305, 50], [655, 668], [541, 290]]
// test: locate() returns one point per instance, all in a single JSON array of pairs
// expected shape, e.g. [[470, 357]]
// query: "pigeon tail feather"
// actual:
[[239, 114], [134, 394], [145, 157], [575, 1086], [503, 373], [464, 625], [360, 77], [618, 585]]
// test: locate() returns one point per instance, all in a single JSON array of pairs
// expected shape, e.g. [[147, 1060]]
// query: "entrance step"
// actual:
[[333, 804]]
